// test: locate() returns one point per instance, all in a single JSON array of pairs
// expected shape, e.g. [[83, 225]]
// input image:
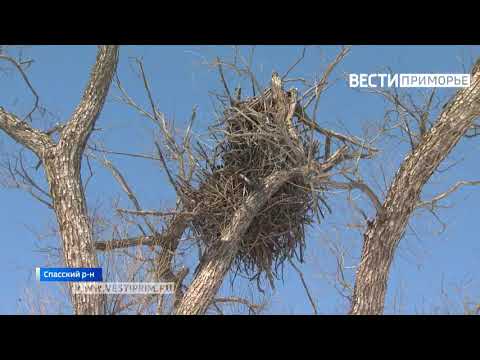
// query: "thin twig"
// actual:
[[27, 81], [154, 213], [360, 186], [430, 203], [234, 299], [222, 77], [296, 63], [300, 274]]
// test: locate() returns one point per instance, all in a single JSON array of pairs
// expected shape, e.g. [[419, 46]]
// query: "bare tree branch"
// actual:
[[127, 189], [305, 119], [385, 232], [318, 89], [254, 308], [302, 56], [431, 203], [22, 133], [80, 126], [305, 286], [27, 81], [141, 156], [360, 186], [154, 213], [150, 240], [222, 77]]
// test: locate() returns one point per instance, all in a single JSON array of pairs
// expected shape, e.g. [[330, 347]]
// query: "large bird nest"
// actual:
[[253, 139]]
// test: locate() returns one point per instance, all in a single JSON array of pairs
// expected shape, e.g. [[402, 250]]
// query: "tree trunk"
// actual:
[[70, 208], [62, 162], [385, 232]]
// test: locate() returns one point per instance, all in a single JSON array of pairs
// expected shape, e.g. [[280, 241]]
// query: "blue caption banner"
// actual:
[[69, 274]]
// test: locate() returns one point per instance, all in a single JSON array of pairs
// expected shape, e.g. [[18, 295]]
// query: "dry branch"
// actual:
[[385, 232]]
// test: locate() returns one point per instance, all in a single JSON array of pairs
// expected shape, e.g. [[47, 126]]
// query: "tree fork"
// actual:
[[62, 163]]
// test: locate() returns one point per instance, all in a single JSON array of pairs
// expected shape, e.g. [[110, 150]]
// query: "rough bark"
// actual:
[[62, 164], [74, 225], [386, 230]]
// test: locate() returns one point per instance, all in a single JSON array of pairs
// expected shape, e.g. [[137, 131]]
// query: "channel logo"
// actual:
[[409, 80]]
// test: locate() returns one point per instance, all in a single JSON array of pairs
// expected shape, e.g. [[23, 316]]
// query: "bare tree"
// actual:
[[386, 230], [244, 200], [62, 163]]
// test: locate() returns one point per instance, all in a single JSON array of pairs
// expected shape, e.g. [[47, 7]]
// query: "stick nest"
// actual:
[[255, 138]]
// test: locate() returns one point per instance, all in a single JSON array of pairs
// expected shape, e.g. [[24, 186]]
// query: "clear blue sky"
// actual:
[[180, 80]]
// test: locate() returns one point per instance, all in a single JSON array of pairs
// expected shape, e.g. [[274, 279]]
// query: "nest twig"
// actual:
[[255, 138]]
